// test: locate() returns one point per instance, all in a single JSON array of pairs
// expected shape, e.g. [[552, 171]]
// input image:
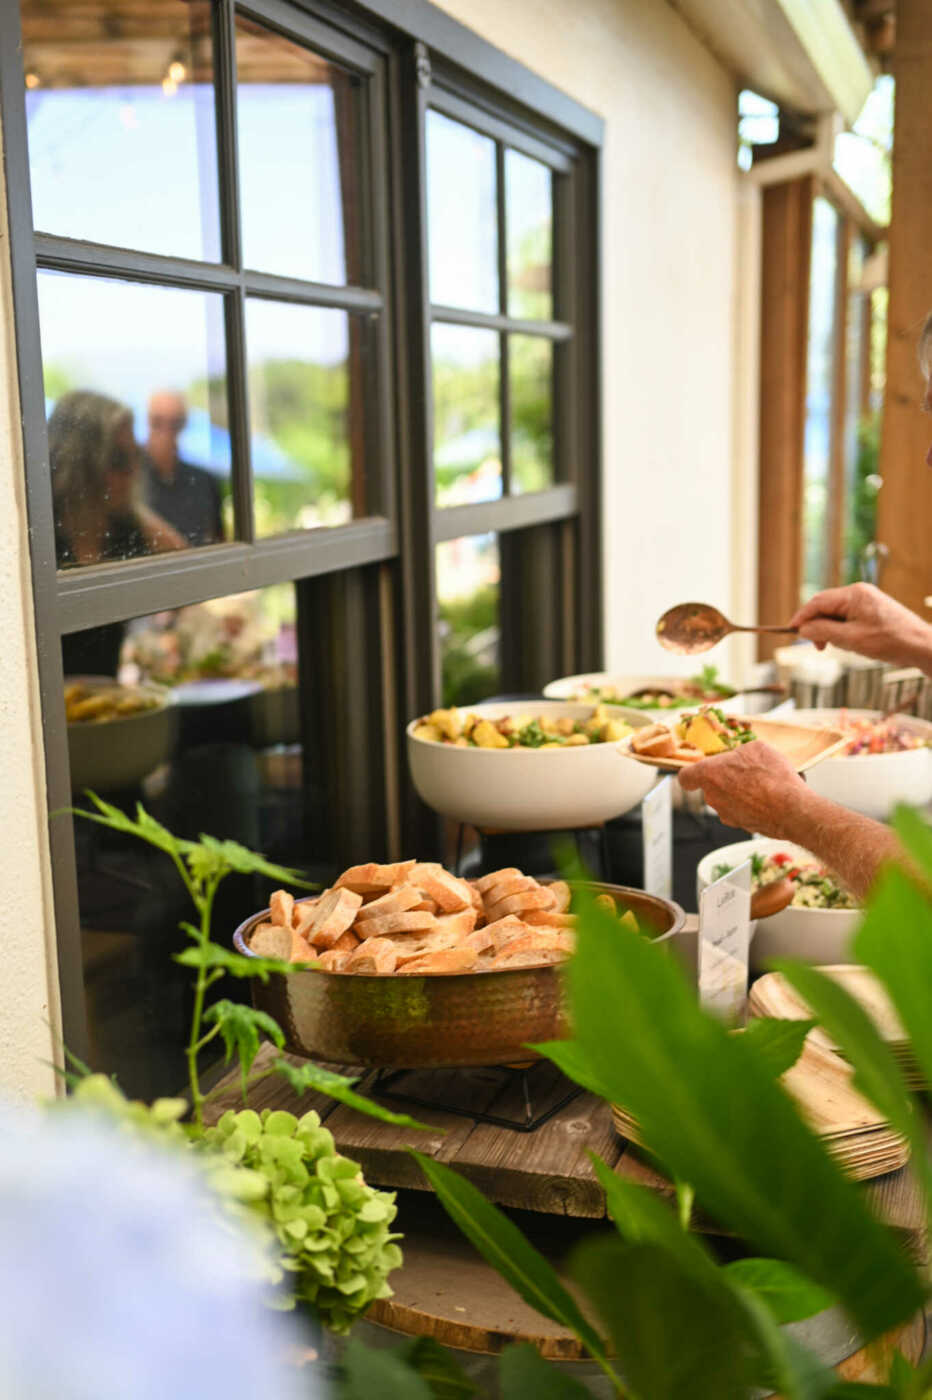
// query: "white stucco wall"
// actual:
[[669, 278], [29, 1011]]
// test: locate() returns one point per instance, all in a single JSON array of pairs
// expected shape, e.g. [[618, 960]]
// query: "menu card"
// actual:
[[724, 938], [657, 824]]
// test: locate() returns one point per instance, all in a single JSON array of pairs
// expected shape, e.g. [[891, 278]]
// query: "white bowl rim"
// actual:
[[638, 720], [163, 694], [587, 677], [925, 727], [771, 843]]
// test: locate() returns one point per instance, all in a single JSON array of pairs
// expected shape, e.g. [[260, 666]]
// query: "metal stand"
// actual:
[[385, 1082]]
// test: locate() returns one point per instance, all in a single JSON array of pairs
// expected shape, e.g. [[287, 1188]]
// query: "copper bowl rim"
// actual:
[[599, 886]]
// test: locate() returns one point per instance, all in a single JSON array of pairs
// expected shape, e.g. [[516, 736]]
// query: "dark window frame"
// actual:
[[413, 56]]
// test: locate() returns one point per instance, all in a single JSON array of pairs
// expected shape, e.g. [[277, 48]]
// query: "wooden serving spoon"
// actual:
[[770, 899], [693, 627]]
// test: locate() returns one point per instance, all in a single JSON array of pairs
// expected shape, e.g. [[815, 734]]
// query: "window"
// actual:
[[314, 443]]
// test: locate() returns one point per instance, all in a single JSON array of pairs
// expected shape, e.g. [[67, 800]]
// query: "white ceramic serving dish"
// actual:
[[530, 789], [816, 936], [573, 687], [118, 753], [873, 783]]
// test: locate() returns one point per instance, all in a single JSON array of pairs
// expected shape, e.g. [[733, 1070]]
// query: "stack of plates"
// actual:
[[861, 1141], [772, 995]]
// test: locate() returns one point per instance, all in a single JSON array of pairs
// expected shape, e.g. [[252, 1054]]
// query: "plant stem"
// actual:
[[205, 905], [214, 1030]]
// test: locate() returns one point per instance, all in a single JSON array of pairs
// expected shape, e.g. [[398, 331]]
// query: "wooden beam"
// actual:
[[905, 502], [837, 482], [786, 251]]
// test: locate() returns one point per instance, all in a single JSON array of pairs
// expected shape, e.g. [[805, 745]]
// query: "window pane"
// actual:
[[861, 432], [462, 222], [122, 139], [467, 434], [299, 159], [529, 222], [468, 606], [217, 752], [817, 453], [530, 371], [307, 368], [126, 365]]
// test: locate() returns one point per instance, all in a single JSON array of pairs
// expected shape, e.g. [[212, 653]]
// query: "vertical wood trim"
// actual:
[[837, 482], [867, 331], [904, 521], [786, 244]]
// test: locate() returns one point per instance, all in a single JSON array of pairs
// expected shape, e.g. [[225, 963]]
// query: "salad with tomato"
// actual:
[[815, 888]]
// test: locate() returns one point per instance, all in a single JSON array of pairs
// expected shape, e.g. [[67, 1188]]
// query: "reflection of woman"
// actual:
[[98, 517], [95, 471]]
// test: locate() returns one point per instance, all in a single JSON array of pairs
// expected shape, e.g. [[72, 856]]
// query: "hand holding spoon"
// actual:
[[692, 627]]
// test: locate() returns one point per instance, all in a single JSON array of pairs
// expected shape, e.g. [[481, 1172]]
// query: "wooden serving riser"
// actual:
[[547, 1171]]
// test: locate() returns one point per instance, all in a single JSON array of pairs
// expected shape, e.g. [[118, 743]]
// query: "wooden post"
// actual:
[[786, 253], [905, 502]]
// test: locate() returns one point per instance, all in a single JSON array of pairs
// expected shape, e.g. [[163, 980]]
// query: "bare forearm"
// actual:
[[852, 846]]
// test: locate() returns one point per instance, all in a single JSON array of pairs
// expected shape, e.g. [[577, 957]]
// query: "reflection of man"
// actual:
[[186, 496]]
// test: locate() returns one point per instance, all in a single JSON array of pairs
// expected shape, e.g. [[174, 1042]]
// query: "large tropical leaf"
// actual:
[[710, 1110]]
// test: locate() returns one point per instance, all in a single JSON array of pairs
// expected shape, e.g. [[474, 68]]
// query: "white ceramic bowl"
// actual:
[[530, 789], [819, 936], [118, 753], [573, 687], [873, 783]]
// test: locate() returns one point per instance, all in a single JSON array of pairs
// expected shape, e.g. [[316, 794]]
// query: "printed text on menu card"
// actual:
[[724, 937]]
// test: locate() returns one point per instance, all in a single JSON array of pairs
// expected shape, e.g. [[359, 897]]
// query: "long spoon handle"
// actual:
[[793, 630]]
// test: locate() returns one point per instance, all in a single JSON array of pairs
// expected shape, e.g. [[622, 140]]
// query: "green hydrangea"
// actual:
[[333, 1247], [333, 1228]]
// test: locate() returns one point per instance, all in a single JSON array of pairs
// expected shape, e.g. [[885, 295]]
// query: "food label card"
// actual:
[[724, 936], [657, 820]]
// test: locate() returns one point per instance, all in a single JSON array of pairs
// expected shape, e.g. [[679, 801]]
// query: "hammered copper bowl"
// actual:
[[482, 1018]]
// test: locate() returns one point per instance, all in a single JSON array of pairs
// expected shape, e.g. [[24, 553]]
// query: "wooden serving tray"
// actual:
[[801, 744]]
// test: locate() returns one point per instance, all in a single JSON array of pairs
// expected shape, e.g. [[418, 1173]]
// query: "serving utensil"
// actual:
[[689, 628], [770, 899]]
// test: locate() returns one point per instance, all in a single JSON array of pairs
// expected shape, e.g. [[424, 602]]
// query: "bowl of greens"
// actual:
[[540, 765], [817, 926], [656, 696]]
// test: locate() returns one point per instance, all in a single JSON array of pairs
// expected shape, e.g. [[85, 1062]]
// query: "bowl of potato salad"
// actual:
[[542, 765]]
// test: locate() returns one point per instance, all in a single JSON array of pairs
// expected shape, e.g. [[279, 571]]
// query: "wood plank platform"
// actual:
[[547, 1171]]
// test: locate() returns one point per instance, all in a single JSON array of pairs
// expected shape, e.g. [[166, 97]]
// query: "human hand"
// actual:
[[861, 618], [753, 787]]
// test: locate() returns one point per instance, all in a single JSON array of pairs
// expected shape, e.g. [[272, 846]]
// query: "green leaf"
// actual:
[[788, 1294], [674, 1336], [641, 1217], [710, 1109], [240, 1027], [523, 1374], [213, 955], [916, 836], [337, 1086], [502, 1245], [779, 1043], [895, 942], [859, 1390], [876, 1073], [369, 1373], [435, 1365], [569, 1056]]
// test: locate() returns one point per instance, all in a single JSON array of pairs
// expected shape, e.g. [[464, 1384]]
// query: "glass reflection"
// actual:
[[462, 223], [298, 137], [819, 369], [468, 591], [202, 727], [307, 373], [530, 372], [467, 433], [122, 137], [109, 349], [529, 222]]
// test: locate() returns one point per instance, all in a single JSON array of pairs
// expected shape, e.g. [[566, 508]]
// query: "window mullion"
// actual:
[[504, 384]]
